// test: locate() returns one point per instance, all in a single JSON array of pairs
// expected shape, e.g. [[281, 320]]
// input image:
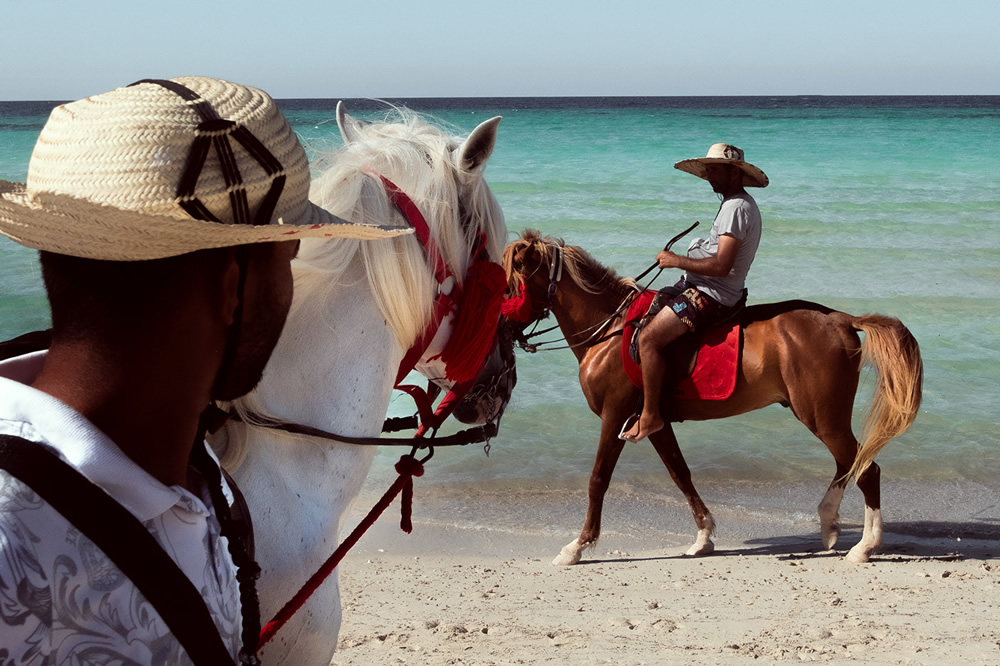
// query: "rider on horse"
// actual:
[[713, 284]]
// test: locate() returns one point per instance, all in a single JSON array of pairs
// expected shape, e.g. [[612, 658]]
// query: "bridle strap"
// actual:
[[443, 304], [409, 210], [444, 301]]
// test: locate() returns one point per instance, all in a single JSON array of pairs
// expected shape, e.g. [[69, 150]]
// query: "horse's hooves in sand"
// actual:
[[858, 555], [830, 536], [569, 555], [701, 549]]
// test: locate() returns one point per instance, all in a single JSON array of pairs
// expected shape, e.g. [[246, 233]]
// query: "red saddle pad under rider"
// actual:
[[714, 374]]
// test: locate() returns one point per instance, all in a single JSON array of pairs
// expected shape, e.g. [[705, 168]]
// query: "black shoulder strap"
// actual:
[[23, 344], [123, 539]]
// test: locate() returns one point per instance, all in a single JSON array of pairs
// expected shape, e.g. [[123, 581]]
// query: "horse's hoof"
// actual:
[[568, 556], [858, 555], [830, 537], [700, 549]]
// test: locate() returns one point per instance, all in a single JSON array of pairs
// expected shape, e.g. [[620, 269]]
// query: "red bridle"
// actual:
[[489, 285]]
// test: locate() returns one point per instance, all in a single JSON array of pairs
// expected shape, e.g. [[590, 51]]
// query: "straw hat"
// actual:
[[162, 168], [723, 153]]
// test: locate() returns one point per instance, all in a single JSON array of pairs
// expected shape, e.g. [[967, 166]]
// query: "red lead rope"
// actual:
[[407, 467]]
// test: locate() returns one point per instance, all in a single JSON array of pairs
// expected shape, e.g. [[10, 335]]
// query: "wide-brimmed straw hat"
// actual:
[[165, 167], [723, 153]]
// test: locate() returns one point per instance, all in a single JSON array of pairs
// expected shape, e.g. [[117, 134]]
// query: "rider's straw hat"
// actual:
[[162, 168], [723, 153]]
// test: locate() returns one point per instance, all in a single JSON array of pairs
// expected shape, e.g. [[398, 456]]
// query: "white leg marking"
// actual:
[[829, 516], [570, 554], [703, 544], [870, 540]]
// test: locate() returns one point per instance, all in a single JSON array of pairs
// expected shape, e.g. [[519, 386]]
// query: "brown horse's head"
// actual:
[[526, 262], [532, 279]]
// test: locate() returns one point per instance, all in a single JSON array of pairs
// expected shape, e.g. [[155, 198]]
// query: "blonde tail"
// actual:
[[894, 353]]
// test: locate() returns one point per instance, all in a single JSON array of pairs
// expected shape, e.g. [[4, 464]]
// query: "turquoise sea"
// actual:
[[876, 204]]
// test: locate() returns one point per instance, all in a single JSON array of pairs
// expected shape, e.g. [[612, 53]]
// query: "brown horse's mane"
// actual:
[[580, 266]]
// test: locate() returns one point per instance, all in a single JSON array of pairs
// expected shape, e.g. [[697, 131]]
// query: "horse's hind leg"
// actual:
[[608, 452], [832, 424], [829, 508], [665, 443], [871, 539]]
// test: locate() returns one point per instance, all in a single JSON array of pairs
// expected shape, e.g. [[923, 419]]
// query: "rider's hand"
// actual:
[[667, 259]]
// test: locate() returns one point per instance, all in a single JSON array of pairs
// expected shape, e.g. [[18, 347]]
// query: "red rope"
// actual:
[[407, 468]]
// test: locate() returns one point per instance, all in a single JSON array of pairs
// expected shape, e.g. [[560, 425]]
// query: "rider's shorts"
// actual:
[[691, 306]]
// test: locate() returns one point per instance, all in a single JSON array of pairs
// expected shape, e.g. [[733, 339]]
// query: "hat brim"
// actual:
[[752, 176], [80, 228]]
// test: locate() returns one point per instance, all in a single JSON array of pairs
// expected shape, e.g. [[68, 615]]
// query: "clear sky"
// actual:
[[66, 49]]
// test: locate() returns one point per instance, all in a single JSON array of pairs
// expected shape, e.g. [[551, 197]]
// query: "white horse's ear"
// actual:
[[478, 147], [350, 129]]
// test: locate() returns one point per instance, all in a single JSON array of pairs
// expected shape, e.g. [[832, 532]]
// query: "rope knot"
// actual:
[[409, 466]]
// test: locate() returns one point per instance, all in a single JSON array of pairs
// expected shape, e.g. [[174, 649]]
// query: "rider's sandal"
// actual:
[[629, 422]]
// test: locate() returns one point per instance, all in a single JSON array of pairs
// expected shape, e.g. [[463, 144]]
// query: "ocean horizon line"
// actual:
[[632, 101]]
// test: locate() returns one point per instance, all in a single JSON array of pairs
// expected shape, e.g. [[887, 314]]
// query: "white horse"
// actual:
[[358, 307]]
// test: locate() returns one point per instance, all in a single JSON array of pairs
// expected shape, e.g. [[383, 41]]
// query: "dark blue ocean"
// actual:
[[876, 204]]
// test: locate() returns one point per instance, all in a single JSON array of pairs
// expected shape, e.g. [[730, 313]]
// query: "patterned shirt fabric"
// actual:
[[62, 601], [738, 216]]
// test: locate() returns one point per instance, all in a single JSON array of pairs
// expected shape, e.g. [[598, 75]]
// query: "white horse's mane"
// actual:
[[420, 159]]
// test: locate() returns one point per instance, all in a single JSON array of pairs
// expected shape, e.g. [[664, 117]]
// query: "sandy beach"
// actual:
[[484, 591]]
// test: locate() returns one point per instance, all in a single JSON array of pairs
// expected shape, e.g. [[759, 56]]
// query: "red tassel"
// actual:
[[517, 308], [477, 316]]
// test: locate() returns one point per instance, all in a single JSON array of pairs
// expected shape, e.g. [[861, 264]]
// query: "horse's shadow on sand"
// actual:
[[918, 540]]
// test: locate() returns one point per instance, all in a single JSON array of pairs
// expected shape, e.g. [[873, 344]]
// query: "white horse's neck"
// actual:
[[309, 483]]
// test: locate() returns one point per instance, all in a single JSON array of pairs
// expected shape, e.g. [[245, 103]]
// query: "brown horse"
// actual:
[[801, 355]]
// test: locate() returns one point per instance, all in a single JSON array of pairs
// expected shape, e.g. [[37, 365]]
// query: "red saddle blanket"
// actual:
[[714, 374]]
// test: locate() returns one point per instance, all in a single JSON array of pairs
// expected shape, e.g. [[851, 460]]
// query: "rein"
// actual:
[[532, 347], [479, 434]]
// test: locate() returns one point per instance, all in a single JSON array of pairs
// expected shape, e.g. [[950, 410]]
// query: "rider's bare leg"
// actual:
[[664, 328]]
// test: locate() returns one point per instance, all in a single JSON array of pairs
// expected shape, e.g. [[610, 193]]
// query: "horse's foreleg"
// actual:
[[665, 443], [871, 539], [608, 452]]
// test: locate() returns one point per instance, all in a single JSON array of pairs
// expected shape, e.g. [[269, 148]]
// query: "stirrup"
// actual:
[[629, 422]]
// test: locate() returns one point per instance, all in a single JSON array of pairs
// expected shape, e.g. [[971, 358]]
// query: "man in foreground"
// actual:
[[166, 214]]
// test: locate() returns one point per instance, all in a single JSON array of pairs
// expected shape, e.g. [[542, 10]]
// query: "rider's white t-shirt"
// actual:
[[738, 216]]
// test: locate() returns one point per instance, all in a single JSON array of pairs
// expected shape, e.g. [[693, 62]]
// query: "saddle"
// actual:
[[712, 360]]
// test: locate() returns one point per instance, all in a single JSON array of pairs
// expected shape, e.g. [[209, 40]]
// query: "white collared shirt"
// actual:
[[62, 601]]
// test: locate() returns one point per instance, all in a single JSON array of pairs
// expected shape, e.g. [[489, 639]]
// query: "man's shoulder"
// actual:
[[742, 200]]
